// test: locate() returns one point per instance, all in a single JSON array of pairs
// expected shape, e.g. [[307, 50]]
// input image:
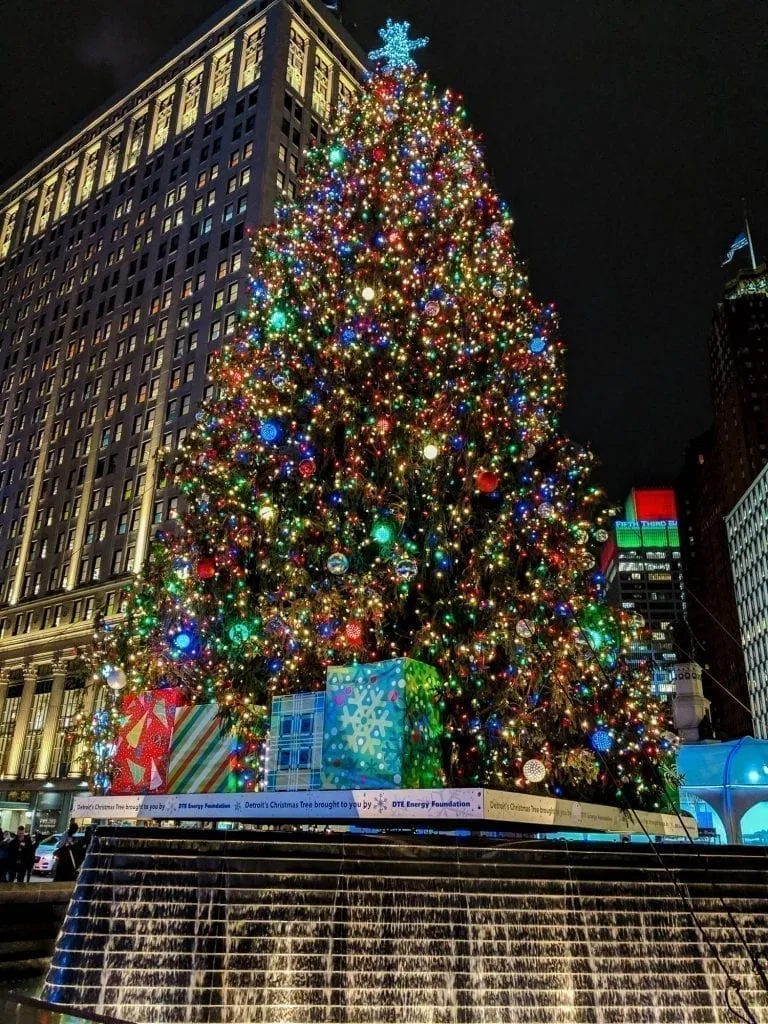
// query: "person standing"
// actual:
[[20, 848], [5, 856], [65, 856], [29, 855]]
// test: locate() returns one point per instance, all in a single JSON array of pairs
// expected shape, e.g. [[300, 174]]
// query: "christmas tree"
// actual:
[[382, 475]]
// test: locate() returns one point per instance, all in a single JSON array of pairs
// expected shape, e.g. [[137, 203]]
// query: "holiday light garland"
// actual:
[[382, 475]]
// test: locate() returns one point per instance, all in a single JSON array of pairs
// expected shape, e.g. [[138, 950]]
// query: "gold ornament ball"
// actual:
[[534, 770]]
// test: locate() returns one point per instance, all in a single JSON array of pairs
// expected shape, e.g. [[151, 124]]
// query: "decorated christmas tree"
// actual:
[[382, 475]]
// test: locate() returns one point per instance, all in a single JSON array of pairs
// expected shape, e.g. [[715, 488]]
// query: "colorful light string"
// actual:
[[382, 475]]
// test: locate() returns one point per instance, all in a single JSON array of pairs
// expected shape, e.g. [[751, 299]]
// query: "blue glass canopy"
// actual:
[[740, 763]]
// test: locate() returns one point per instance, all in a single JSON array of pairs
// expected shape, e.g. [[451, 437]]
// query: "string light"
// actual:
[[397, 49], [382, 474]]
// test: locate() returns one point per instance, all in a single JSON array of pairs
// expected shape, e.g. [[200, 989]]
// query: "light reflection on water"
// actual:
[[13, 1012]]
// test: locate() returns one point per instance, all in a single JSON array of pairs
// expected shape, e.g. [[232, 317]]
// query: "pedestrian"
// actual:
[[29, 856], [5, 856], [20, 849], [65, 856], [81, 846], [87, 839]]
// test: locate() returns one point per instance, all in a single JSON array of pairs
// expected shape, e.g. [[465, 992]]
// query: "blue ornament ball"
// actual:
[[182, 641], [537, 346], [601, 741], [270, 431]]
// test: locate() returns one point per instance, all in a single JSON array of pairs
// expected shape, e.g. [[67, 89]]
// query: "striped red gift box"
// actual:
[[201, 753]]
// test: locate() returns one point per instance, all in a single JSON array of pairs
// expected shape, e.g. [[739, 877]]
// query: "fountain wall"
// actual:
[[202, 927]]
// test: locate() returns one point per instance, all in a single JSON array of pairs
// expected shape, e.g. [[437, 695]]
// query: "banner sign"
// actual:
[[551, 814], [316, 805], [384, 805]]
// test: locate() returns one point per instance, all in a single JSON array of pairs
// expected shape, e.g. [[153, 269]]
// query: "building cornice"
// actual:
[[16, 651], [195, 46]]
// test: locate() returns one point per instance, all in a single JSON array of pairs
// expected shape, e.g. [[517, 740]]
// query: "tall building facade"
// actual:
[[747, 526], [643, 573], [719, 467], [123, 264]]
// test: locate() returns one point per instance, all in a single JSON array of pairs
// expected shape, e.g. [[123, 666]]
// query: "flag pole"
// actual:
[[749, 237]]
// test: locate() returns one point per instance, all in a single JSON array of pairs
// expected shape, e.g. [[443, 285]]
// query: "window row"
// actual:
[[121, 147]]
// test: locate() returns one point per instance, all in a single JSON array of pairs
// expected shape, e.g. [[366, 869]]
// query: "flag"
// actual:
[[740, 242]]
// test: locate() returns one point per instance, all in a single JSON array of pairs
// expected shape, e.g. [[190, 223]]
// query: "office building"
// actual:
[[643, 573], [719, 467], [123, 263], [747, 526]]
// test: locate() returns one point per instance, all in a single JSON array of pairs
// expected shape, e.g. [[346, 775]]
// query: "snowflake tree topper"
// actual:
[[397, 48]]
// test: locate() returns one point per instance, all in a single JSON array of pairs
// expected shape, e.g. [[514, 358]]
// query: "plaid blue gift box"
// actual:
[[295, 754]]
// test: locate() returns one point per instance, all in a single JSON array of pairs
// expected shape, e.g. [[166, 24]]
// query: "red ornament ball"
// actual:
[[206, 568], [307, 467], [487, 481], [354, 632], [378, 153]]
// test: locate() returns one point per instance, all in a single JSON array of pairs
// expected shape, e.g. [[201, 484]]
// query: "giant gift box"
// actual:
[[202, 753], [143, 745], [382, 726], [294, 758]]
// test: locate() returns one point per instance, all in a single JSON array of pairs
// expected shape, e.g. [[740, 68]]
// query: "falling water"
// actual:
[[179, 926]]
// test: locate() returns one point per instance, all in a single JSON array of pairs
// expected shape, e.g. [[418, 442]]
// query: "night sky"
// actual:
[[622, 133]]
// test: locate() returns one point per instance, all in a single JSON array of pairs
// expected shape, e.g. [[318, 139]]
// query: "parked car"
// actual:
[[44, 861]]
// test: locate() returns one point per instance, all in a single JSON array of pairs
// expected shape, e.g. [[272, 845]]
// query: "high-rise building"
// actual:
[[747, 526], [642, 566], [712, 614], [719, 467], [123, 263]]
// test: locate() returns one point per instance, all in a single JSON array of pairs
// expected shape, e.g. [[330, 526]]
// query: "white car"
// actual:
[[44, 859]]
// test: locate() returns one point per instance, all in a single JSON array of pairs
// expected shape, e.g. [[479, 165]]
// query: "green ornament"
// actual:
[[239, 633], [383, 532]]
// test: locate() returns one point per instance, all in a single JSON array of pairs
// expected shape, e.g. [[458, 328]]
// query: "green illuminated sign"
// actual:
[[628, 535], [647, 535]]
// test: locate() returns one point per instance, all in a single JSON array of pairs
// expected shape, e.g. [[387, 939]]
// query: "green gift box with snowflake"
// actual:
[[383, 725]]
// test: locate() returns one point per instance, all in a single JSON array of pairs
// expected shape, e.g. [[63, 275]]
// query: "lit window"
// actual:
[[138, 131], [67, 190], [321, 87], [26, 231], [111, 158], [46, 204], [253, 55], [190, 100], [89, 174], [163, 119], [297, 53], [222, 67], [346, 92]]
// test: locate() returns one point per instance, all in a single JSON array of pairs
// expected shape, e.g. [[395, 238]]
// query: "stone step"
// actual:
[[419, 869]]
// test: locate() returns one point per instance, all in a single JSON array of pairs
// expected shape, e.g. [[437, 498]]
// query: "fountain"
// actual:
[[201, 927]]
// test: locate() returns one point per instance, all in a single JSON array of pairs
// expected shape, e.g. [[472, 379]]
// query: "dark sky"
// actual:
[[623, 134]]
